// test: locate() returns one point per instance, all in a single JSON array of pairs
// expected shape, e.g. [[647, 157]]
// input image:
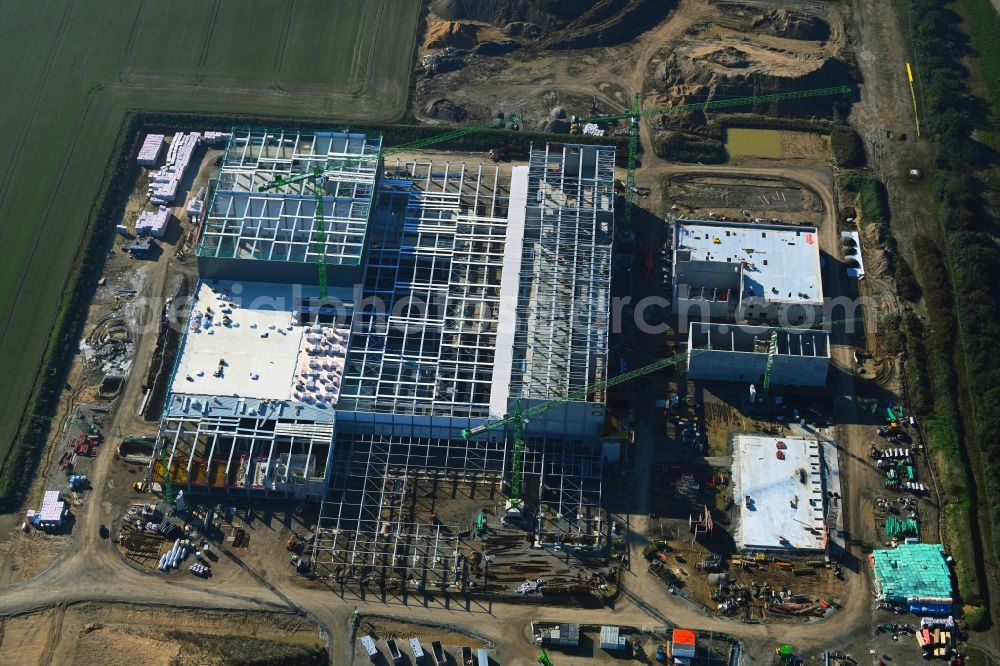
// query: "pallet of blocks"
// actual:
[[936, 642]]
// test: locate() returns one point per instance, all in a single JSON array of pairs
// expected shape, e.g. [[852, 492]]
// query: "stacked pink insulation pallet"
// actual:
[[216, 139]]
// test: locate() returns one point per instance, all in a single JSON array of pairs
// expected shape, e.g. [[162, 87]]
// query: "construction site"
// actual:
[[371, 402], [541, 402]]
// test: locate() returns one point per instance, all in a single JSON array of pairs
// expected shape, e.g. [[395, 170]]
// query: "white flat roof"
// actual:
[[782, 261], [266, 354], [510, 285], [786, 496]]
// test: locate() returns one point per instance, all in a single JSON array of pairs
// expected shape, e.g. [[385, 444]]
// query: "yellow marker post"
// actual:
[[913, 95]]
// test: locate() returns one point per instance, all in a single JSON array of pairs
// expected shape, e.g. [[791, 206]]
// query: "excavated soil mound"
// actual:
[[445, 109], [548, 14], [786, 23], [568, 24], [441, 34], [729, 56], [696, 72], [792, 25]]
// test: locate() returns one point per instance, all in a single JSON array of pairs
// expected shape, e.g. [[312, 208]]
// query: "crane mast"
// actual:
[[519, 417]]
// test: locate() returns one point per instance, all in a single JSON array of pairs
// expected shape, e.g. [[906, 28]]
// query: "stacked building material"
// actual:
[[164, 183], [149, 153], [153, 224], [936, 640], [529, 586], [173, 557], [51, 513], [915, 575], [196, 205], [216, 138], [199, 569], [902, 526]]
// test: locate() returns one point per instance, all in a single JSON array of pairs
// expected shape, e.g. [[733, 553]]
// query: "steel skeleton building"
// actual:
[[455, 289]]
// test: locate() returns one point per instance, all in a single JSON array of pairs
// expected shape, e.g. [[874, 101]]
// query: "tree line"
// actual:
[[961, 273]]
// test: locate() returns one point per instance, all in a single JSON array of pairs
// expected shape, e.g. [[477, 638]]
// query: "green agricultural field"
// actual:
[[73, 68]]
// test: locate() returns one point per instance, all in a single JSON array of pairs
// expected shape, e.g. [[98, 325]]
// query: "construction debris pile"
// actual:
[[109, 349], [936, 637]]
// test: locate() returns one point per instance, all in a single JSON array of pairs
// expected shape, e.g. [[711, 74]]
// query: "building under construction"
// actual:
[[745, 292], [478, 285], [257, 231]]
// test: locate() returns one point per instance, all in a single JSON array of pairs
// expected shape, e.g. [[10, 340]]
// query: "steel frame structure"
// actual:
[[279, 224], [436, 241], [373, 528], [434, 267], [569, 491], [566, 306], [245, 455]]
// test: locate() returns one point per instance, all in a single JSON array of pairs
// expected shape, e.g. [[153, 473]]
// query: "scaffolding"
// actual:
[[562, 345]]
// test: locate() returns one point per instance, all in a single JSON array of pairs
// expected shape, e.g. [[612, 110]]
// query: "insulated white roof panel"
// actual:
[[786, 495], [510, 282], [781, 261], [264, 352]]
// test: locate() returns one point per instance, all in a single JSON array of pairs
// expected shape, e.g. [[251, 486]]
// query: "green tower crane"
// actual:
[[520, 416], [316, 175], [772, 348], [168, 482], [633, 147]]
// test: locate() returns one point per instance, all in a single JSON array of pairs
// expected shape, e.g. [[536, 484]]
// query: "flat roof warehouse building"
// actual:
[[752, 273], [733, 283], [779, 487], [274, 393]]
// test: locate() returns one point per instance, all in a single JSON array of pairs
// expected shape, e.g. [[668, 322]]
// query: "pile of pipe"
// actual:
[[173, 557]]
